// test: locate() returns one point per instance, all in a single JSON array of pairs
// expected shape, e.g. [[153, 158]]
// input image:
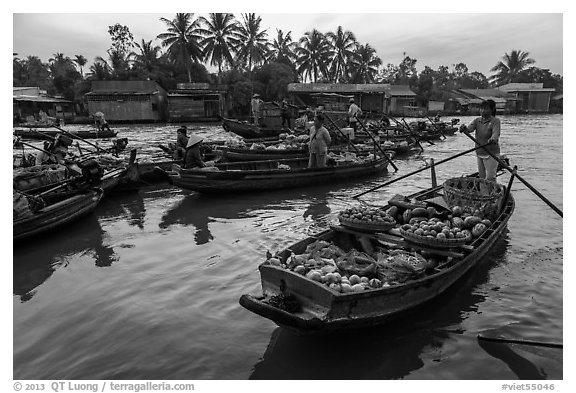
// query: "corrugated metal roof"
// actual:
[[121, 93], [39, 99], [390, 90]]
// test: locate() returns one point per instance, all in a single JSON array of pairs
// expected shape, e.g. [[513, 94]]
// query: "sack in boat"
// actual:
[[473, 194], [21, 207], [400, 265]]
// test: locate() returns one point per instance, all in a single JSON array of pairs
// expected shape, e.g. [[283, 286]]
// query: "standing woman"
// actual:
[[487, 129], [319, 141]]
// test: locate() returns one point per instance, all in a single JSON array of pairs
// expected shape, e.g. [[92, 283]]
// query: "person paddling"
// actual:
[[487, 128]]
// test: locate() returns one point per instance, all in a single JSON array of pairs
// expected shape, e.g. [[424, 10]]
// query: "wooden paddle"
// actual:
[[377, 144], [418, 171], [507, 167]]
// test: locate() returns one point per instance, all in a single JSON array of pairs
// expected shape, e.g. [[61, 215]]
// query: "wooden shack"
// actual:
[[197, 102], [128, 101], [529, 97], [27, 102]]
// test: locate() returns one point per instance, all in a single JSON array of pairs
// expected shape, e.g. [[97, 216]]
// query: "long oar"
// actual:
[[415, 134], [78, 137], [409, 131], [418, 171], [523, 342], [341, 133], [377, 144], [507, 167]]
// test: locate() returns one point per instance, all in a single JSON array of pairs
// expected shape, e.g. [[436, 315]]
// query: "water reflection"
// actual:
[[35, 262], [130, 205], [317, 209], [392, 351]]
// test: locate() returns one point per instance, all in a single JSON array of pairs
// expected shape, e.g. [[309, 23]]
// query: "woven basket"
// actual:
[[474, 194], [434, 242], [366, 226]]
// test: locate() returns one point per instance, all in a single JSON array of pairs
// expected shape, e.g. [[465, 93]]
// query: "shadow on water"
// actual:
[[391, 351], [35, 262], [131, 205]]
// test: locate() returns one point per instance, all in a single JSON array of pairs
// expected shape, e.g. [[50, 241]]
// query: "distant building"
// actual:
[[529, 97], [128, 101], [197, 102], [27, 102], [371, 97]]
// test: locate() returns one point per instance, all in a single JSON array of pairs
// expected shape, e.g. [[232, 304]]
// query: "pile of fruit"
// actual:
[[366, 216]]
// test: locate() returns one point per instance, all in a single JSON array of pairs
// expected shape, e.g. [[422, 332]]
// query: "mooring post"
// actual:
[[433, 173]]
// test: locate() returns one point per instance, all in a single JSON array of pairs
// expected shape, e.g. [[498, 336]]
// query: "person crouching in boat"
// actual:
[[55, 152], [193, 155], [487, 129], [319, 141], [181, 143]]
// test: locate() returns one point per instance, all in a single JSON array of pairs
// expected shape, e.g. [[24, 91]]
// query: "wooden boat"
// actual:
[[249, 130], [298, 303], [57, 213], [270, 174], [51, 133], [244, 154]]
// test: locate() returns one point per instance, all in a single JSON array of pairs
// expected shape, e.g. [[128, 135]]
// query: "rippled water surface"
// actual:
[[147, 287]]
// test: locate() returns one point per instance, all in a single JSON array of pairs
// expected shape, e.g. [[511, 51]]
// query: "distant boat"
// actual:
[[31, 133], [250, 130]]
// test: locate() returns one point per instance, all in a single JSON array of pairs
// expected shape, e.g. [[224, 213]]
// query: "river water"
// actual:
[[147, 287]]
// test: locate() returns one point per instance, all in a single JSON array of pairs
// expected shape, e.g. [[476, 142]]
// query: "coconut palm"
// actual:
[[282, 47], [314, 53], [182, 40], [343, 44], [253, 45], [148, 57], [81, 61], [364, 65], [116, 65], [512, 64], [221, 36], [99, 70]]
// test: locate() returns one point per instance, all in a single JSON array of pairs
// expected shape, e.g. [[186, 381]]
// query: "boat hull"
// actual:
[[49, 134], [250, 131]]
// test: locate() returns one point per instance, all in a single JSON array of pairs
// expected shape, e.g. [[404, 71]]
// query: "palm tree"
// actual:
[[99, 70], [148, 58], [313, 55], [282, 47], [364, 65], [117, 65], [512, 64], [220, 38], [182, 40], [81, 61], [253, 45], [343, 43]]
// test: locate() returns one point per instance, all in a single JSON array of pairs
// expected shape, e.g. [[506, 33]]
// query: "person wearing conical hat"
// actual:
[[193, 155], [255, 107]]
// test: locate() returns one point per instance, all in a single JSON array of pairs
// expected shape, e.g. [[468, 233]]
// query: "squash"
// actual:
[[431, 211], [393, 211], [478, 230], [487, 222], [419, 212], [457, 222], [470, 221], [457, 211], [407, 216]]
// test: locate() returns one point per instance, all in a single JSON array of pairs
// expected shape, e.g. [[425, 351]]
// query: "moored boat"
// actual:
[[272, 174], [49, 134], [303, 289], [28, 223], [249, 130]]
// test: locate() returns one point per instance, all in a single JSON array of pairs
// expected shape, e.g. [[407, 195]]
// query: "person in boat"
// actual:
[[354, 111], [181, 142], [285, 113], [319, 141], [55, 152], [101, 122], [437, 118], [487, 128], [193, 153], [119, 145], [255, 107]]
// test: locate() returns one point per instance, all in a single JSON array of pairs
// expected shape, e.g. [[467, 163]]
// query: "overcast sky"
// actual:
[[434, 39]]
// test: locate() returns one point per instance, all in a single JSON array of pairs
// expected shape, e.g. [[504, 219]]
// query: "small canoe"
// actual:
[[56, 214], [270, 174], [51, 133], [305, 304], [249, 130]]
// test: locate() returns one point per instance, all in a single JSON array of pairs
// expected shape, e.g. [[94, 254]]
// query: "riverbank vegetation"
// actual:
[[249, 59]]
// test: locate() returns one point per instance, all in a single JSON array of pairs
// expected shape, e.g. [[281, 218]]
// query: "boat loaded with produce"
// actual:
[[381, 262]]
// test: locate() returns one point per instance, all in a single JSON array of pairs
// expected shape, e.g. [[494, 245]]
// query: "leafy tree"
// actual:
[[31, 72], [388, 74], [406, 70], [122, 39], [220, 38], [275, 78], [64, 76], [100, 70], [183, 40], [253, 45], [343, 46], [541, 75], [511, 65], [364, 65], [147, 61], [314, 55]]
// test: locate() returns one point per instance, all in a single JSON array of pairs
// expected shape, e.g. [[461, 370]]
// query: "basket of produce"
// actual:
[[474, 195], [367, 219], [435, 233]]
